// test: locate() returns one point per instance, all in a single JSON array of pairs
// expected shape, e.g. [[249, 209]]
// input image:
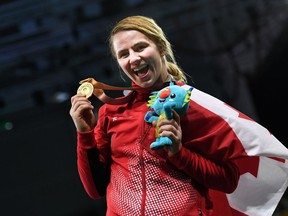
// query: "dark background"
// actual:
[[234, 50]]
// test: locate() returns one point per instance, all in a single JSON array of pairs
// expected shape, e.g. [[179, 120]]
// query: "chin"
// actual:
[[149, 84], [144, 85]]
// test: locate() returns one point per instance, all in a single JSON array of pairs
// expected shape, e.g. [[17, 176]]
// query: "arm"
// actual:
[[218, 176], [93, 173], [204, 150], [150, 117], [168, 107]]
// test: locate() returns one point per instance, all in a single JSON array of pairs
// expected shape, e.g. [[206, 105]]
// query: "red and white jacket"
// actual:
[[115, 160]]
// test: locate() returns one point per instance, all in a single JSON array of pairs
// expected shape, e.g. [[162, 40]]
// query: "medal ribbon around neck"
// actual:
[[90, 87]]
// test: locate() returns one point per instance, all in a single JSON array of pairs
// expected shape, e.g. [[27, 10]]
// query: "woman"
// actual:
[[114, 157]]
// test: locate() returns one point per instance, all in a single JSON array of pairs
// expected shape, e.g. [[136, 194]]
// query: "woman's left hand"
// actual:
[[171, 128]]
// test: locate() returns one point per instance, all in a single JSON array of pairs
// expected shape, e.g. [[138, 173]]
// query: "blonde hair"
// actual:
[[148, 27]]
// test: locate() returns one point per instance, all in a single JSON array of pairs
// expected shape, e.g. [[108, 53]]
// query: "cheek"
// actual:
[[124, 67], [121, 64]]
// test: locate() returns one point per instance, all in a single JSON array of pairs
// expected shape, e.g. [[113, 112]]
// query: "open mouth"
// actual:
[[141, 72]]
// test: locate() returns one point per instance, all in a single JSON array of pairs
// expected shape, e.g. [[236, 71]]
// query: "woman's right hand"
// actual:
[[82, 113]]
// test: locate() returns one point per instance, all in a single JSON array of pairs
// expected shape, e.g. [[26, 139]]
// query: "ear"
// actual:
[[188, 95]]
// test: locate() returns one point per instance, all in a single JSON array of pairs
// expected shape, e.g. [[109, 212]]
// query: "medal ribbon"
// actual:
[[97, 89]]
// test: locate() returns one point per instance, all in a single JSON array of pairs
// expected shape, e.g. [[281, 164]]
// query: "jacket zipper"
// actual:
[[145, 131]]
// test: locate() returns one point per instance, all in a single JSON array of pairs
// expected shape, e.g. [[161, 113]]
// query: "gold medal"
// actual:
[[86, 88]]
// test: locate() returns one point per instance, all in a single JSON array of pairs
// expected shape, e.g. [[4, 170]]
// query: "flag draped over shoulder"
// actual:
[[263, 167]]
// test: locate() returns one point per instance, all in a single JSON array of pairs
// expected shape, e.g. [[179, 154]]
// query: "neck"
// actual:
[[163, 79]]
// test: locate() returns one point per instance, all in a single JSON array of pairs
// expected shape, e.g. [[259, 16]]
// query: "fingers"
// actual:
[[78, 99], [82, 114], [79, 103], [174, 122], [171, 128], [171, 131]]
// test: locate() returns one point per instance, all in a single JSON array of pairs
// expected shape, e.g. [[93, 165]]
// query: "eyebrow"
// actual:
[[136, 44]]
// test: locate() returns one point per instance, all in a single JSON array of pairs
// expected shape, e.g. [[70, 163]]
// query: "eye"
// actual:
[[140, 47], [123, 55], [172, 96]]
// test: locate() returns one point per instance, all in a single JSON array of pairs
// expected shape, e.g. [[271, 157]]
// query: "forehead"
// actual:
[[125, 39]]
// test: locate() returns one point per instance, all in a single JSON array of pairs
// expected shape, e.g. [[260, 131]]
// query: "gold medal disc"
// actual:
[[86, 88]]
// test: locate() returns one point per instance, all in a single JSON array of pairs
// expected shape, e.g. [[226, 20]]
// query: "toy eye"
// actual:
[[172, 96]]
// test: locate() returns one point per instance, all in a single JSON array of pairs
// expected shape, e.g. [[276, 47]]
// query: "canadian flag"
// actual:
[[263, 165]]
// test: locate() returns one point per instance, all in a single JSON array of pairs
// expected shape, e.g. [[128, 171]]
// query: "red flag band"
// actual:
[[262, 163]]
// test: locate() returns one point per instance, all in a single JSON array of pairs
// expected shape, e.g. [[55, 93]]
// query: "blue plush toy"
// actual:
[[172, 97]]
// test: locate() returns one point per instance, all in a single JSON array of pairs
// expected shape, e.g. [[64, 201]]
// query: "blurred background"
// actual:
[[234, 50]]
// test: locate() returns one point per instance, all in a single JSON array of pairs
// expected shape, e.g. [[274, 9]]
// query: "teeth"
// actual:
[[137, 69]]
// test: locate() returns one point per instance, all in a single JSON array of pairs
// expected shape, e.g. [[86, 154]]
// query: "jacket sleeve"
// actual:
[[215, 175], [92, 167], [209, 151]]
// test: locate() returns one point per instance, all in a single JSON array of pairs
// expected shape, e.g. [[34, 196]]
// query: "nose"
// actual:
[[134, 58], [164, 93]]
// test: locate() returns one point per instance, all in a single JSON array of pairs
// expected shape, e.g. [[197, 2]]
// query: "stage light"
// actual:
[[6, 125]]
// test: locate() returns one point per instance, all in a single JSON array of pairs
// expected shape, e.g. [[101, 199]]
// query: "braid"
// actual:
[[176, 72], [173, 68]]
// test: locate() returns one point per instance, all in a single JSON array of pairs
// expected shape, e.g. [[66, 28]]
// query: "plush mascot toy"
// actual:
[[172, 97]]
